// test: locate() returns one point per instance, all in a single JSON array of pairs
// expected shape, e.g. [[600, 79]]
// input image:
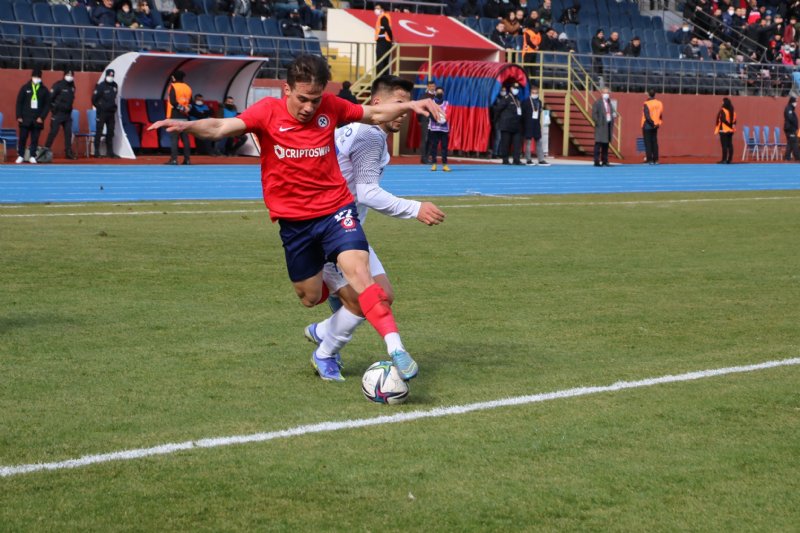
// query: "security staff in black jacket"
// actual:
[[509, 122], [790, 129], [33, 104], [61, 99], [104, 100]]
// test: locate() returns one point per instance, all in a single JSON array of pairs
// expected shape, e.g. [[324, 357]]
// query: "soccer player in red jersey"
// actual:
[[306, 194]]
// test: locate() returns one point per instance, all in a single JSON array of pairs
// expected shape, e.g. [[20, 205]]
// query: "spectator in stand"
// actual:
[[525, 7], [726, 52], [790, 129], [345, 93], [494, 9], [791, 33], [652, 118], [33, 104], [546, 13], [726, 127], [292, 27], [452, 8], [439, 132], [683, 36], [599, 48], [262, 8], [692, 50], [774, 49], [727, 22], [312, 16], [169, 13], [570, 14], [603, 116], [564, 43], [145, 17], [534, 17], [614, 44], [240, 8], [104, 14], [430, 92], [231, 145], [200, 110], [501, 37], [126, 18], [550, 42], [511, 23], [633, 48], [470, 10]]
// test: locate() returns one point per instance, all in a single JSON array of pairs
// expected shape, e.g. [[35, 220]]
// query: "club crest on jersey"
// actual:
[[346, 219], [323, 121]]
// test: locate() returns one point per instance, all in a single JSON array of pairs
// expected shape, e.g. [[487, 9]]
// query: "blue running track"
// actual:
[[119, 183]]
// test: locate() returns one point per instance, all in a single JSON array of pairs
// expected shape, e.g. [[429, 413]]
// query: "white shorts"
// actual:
[[334, 279]]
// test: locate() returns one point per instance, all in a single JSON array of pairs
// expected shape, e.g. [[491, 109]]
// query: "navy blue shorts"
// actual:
[[309, 244]]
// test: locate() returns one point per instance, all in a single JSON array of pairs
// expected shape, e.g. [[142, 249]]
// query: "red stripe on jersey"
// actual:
[[300, 175]]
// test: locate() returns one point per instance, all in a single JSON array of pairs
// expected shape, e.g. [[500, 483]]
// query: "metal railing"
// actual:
[[432, 8]]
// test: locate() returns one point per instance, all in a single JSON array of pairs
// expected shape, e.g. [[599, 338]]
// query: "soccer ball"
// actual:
[[382, 384]]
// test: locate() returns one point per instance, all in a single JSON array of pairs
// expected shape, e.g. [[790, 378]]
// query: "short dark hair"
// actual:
[[651, 93], [307, 68], [389, 83], [178, 75]]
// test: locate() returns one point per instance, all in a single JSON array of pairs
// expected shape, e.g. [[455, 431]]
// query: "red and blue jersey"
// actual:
[[300, 175]]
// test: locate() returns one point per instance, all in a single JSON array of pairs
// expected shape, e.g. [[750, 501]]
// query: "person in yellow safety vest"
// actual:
[[726, 127], [383, 40], [531, 40], [179, 101], [652, 115]]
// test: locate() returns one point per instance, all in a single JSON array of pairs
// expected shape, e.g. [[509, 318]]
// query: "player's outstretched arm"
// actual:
[[378, 114], [207, 128], [430, 214]]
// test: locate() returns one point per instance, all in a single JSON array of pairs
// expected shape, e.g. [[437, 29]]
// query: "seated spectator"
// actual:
[[291, 27], [526, 8], [546, 13], [692, 50], [470, 9], [683, 36], [240, 8], [312, 16], [230, 145], [599, 44], [169, 12], [126, 18], [565, 44], [614, 44], [511, 23], [283, 9], [534, 16], [346, 94], [725, 52], [104, 14], [262, 8], [223, 7], [501, 37], [633, 48], [494, 9], [570, 14], [774, 49], [200, 110], [145, 17]]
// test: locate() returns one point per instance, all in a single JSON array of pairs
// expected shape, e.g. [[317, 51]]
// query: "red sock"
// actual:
[[375, 306], [325, 293]]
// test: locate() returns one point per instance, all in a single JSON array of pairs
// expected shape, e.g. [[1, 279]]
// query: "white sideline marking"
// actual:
[[164, 449], [448, 206]]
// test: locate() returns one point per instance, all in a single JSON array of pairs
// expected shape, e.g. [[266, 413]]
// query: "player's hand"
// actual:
[[428, 107], [170, 125], [430, 214]]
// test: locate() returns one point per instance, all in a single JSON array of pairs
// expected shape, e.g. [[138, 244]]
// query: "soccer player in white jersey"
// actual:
[[363, 154]]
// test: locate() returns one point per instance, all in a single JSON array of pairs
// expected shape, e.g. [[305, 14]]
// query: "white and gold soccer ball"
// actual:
[[382, 383]]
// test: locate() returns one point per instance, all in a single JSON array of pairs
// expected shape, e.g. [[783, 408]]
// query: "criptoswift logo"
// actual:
[[296, 153]]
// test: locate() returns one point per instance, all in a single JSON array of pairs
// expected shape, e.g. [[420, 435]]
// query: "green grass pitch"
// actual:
[[126, 326]]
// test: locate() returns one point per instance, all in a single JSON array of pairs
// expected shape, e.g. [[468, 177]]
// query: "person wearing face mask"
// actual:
[[231, 145], [430, 92], [62, 98], [532, 118], [439, 132], [790, 129], [291, 27], [603, 116], [495, 119], [383, 40], [104, 100], [33, 104], [510, 125], [178, 105], [197, 111]]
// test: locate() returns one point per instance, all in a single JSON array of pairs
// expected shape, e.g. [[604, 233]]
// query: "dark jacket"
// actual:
[[104, 97], [62, 97], [790, 119], [532, 126], [507, 117], [631, 50], [599, 46], [103, 16], [346, 94], [25, 110]]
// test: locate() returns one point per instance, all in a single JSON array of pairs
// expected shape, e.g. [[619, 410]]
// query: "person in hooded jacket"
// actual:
[[62, 98], [33, 104]]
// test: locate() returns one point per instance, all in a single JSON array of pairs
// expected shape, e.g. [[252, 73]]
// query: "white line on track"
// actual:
[[165, 449], [447, 206]]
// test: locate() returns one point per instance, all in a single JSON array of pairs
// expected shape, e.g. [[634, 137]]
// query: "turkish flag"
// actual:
[[436, 30]]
